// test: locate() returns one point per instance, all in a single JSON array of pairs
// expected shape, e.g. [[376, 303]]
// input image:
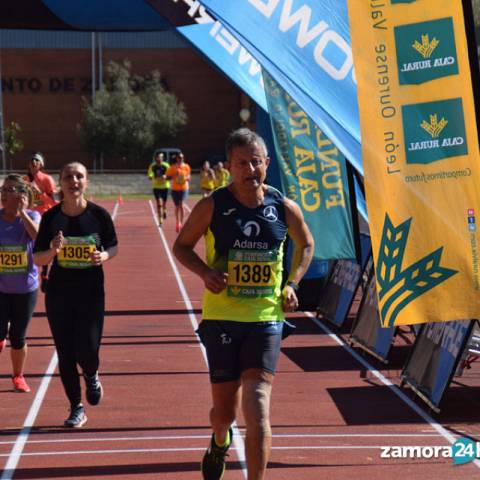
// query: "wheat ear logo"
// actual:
[[398, 287], [426, 48], [435, 127]]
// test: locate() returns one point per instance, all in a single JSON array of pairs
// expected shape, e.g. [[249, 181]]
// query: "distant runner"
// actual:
[[222, 175], [44, 195], [157, 172], [179, 173], [207, 179]]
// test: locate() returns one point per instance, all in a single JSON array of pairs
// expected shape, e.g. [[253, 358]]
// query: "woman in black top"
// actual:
[[79, 237]]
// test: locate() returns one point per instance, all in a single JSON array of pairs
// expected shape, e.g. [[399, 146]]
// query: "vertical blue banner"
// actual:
[[312, 173], [305, 46]]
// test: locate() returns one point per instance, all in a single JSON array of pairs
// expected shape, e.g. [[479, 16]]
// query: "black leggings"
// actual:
[[75, 316], [16, 308]]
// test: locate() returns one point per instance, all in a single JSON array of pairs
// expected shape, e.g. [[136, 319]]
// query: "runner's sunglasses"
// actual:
[[19, 189]]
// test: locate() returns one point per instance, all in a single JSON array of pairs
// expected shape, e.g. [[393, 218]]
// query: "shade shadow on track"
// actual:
[[140, 469], [305, 326], [109, 470], [375, 405], [108, 343], [110, 374], [139, 313], [129, 374], [123, 336], [332, 358], [49, 429], [158, 342], [460, 404]]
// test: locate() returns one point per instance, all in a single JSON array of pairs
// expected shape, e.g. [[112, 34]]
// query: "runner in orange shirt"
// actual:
[[44, 191], [179, 174], [42, 184]]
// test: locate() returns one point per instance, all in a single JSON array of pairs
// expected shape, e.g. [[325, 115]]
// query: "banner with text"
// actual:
[[243, 64], [421, 157], [313, 173], [305, 46], [434, 358], [337, 296], [367, 332]]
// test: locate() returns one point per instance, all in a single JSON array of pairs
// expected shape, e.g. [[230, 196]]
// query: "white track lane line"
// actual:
[[396, 390], [22, 437], [237, 439], [202, 449], [192, 449], [202, 437]]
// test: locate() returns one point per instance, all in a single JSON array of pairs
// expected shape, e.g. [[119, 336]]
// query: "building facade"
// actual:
[[45, 75]]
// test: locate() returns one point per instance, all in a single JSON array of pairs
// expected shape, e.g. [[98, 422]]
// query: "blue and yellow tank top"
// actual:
[[247, 243]]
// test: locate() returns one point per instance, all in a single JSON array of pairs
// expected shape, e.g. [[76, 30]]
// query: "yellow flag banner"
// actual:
[[420, 155]]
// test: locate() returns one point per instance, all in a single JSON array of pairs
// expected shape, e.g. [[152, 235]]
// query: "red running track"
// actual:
[[331, 412]]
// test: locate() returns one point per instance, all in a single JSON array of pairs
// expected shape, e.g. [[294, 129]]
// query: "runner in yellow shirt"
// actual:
[[157, 172], [222, 175], [244, 225], [207, 179]]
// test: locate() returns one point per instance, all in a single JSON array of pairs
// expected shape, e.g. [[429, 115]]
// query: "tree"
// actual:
[[13, 144], [131, 115]]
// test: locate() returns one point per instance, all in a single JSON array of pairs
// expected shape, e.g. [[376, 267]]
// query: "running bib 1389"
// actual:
[[251, 273], [76, 252], [13, 259]]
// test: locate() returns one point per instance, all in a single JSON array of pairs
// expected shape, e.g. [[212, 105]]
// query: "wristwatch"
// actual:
[[293, 284]]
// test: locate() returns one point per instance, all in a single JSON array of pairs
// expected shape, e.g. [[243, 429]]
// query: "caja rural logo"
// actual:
[[399, 285], [434, 131], [426, 51]]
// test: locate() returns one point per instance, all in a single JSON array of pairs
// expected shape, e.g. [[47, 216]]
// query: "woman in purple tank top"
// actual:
[[18, 274]]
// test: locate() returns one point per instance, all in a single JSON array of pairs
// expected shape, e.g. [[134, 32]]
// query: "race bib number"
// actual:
[[251, 273], [37, 201], [76, 252], [13, 259], [180, 179]]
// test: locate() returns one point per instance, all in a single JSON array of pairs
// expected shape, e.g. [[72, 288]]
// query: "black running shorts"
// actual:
[[179, 196], [161, 193], [233, 347]]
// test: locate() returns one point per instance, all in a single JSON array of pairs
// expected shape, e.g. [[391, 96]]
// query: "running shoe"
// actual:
[[77, 417], [19, 384], [94, 389], [213, 463], [178, 227], [3, 344], [164, 214]]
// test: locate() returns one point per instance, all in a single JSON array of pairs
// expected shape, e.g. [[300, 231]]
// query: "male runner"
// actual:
[[244, 225], [160, 185]]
